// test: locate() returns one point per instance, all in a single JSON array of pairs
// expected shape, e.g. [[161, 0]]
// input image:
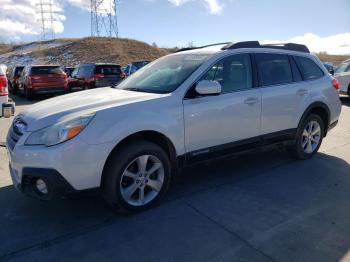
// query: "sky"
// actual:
[[323, 25]]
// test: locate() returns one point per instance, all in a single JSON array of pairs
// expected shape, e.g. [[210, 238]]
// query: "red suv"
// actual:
[[36, 80]]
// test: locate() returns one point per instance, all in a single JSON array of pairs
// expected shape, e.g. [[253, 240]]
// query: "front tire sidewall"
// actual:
[[300, 154], [119, 162]]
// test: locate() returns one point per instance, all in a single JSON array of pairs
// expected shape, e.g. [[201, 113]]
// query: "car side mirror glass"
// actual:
[[208, 87]]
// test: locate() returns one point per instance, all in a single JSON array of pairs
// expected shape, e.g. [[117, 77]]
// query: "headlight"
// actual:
[[59, 132]]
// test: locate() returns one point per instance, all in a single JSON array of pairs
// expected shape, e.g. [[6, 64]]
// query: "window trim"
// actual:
[[192, 86]]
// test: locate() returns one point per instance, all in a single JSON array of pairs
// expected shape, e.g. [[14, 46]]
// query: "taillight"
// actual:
[[3, 86], [336, 84], [99, 76]]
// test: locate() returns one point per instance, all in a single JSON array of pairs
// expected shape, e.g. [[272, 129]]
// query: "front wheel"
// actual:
[[137, 176], [309, 138]]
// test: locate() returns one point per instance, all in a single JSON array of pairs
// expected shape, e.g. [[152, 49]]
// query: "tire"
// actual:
[[28, 94], [305, 146], [124, 181]]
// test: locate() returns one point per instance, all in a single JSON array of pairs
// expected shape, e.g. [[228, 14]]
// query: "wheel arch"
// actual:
[[149, 135], [318, 108]]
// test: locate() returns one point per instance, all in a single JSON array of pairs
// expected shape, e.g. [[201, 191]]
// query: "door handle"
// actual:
[[302, 92], [251, 101]]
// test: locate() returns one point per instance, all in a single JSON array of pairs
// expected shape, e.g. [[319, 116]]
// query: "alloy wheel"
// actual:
[[311, 137], [142, 180]]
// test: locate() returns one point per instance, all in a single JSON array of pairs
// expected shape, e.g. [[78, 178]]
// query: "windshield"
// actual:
[[342, 67], [42, 70], [165, 74]]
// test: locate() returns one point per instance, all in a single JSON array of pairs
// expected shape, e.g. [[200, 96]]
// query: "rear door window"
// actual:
[[46, 70], [108, 69], [274, 69], [309, 69]]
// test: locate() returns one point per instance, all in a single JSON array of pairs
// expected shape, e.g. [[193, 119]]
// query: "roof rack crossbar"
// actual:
[[256, 44], [199, 47]]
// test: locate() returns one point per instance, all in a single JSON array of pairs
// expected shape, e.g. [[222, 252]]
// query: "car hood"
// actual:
[[52, 110]]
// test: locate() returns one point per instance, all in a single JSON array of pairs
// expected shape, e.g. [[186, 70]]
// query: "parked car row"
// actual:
[[32, 80]]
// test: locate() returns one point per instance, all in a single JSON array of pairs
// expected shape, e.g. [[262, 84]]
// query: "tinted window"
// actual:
[[295, 70], [274, 69], [233, 73], [18, 71], [308, 68], [85, 71], [46, 70], [108, 69]]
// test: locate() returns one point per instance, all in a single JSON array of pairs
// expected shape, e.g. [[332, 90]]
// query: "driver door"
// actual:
[[227, 122]]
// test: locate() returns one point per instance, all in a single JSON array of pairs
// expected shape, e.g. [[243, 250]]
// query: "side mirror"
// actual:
[[207, 87]]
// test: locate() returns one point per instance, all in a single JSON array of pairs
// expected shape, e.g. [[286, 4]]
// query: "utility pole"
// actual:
[[104, 20], [46, 17]]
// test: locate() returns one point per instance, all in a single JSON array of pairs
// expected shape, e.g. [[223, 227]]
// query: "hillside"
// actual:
[[70, 52]]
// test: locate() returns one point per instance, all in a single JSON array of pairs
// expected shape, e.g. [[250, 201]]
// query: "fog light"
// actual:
[[41, 186]]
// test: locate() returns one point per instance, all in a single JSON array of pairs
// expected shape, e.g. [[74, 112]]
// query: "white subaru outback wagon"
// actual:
[[183, 108]]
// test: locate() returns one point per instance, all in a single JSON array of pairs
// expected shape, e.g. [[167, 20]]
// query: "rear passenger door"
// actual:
[[284, 94]]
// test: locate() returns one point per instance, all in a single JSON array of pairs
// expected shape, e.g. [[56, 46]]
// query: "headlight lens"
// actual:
[[59, 132]]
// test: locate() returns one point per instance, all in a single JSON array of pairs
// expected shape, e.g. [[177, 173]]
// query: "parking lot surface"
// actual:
[[262, 206]]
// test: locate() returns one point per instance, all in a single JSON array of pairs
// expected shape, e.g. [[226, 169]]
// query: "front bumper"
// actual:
[[69, 167], [57, 186]]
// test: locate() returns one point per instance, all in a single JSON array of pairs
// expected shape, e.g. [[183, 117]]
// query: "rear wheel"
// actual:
[[137, 176], [309, 138]]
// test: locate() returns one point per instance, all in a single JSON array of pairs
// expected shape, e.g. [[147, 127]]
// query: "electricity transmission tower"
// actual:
[[104, 20], [46, 17]]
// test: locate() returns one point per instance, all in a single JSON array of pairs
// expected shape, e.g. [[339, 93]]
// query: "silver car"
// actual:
[[181, 109]]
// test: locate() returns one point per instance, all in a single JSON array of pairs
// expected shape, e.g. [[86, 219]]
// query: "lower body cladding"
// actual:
[[51, 172]]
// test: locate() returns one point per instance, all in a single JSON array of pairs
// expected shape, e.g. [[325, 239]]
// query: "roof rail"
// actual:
[[256, 44], [199, 47]]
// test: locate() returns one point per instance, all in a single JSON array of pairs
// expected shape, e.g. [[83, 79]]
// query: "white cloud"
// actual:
[[333, 44], [213, 6], [20, 17]]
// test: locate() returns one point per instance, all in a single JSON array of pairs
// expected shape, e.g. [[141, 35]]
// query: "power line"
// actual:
[[104, 19], [46, 17]]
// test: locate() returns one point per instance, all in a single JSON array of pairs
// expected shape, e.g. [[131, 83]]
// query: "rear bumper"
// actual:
[[48, 90]]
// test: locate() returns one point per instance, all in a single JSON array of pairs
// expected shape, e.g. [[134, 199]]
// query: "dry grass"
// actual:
[[106, 50], [335, 59]]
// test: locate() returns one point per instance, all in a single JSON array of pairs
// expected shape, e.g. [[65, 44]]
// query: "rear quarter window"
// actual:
[[46, 70], [308, 68]]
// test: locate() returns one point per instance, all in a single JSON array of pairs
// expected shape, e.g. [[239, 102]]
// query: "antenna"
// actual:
[[104, 20], [46, 13]]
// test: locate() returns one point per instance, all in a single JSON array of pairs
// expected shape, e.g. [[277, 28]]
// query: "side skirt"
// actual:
[[246, 145]]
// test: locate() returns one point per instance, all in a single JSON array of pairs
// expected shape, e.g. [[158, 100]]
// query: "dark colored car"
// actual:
[[36, 80], [13, 78], [87, 76], [329, 67], [69, 70], [131, 68]]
